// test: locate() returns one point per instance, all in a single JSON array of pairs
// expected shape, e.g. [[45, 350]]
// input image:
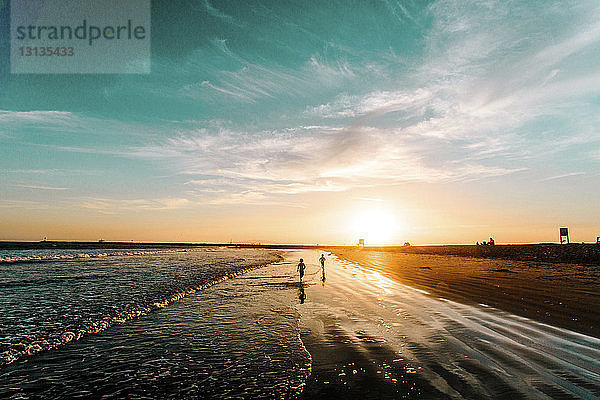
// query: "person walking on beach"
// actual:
[[301, 268], [322, 259]]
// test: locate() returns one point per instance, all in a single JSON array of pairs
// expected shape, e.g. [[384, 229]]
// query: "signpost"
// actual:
[[564, 233]]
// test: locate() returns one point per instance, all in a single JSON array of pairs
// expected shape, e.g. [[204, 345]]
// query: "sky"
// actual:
[[317, 122]]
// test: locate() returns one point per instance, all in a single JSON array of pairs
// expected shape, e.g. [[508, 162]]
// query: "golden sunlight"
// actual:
[[376, 226]]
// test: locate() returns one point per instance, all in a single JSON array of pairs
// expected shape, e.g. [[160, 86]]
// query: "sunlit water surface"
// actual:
[[231, 339]]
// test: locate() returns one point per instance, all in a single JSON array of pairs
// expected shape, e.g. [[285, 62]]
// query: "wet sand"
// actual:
[[565, 295], [371, 337]]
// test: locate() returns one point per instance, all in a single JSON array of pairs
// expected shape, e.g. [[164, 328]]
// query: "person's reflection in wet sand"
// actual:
[[322, 260], [301, 295]]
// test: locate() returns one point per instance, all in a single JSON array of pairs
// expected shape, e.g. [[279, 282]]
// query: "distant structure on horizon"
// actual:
[[563, 233], [361, 242]]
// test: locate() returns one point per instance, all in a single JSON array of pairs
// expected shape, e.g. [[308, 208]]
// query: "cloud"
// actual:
[[256, 167], [56, 171], [15, 121], [37, 117], [483, 93], [120, 205], [41, 187], [29, 171], [219, 14], [25, 204], [551, 178]]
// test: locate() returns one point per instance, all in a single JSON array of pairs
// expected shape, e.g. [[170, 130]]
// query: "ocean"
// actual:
[[147, 324]]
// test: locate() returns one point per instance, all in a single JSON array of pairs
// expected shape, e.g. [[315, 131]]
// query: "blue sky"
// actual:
[[277, 121]]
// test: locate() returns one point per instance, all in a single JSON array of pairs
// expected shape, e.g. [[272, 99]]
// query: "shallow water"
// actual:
[[239, 338], [45, 304]]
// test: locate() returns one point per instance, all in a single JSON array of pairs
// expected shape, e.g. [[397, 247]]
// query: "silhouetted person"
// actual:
[[302, 295], [301, 268], [491, 242], [322, 259]]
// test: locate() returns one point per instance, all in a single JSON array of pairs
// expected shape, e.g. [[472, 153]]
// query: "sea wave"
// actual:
[[40, 256], [90, 298]]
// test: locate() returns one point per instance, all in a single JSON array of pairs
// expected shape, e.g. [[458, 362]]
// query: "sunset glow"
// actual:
[[267, 123], [376, 226]]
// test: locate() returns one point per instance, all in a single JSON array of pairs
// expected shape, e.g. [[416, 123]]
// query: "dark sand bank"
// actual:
[[577, 253], [565, 295]]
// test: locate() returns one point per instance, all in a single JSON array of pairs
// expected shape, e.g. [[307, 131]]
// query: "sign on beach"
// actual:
[[564, 233]]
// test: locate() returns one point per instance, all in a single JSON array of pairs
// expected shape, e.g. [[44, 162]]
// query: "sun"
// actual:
[[376, 226]]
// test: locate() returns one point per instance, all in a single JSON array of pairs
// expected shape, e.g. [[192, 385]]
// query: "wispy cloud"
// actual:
[[15, 121], [29, 171], [484, 93], [36, 187], [109, 205], [7, 116], [55, 172], [25, 204], [551, 178], [292, 161]]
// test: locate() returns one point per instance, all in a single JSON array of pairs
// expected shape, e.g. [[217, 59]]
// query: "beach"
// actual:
[[560, 294], [254, 330], [374, 337]]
